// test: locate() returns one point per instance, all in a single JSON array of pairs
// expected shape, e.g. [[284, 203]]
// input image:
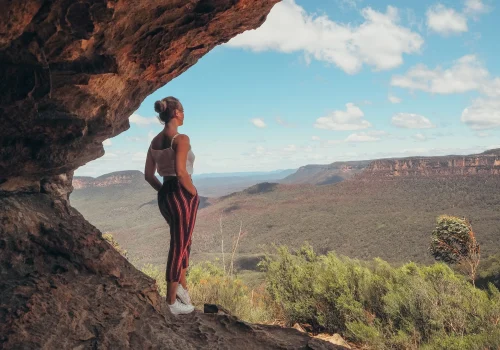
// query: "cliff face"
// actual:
[[487, 163], [325, 174], [115, 178], [71, 72]]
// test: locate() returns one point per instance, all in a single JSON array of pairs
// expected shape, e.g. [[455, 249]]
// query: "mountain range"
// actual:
[[364, 209]]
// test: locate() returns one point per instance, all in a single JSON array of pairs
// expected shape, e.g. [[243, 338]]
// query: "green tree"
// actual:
[[454, 242]]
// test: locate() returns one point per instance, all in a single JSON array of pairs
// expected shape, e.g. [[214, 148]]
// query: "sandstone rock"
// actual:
[[64, 287], [487, 163], [299, 328], [73, 72], [317, 344], [334, 339]]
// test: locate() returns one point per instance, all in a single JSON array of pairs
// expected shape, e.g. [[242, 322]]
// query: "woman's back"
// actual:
[[164, 155]]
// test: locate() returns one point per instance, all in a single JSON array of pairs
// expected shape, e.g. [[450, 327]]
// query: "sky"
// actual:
[[333, 80]]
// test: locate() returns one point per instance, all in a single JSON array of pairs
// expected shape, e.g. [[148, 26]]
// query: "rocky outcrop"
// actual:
[[486, 163], [64, 287], [71, 73], [114, 178]]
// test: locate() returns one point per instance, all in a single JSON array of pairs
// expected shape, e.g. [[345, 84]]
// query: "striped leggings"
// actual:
[[179, 208]]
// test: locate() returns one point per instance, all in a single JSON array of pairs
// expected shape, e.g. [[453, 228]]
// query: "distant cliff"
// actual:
[[323, 174], [486, 163], [115, 178]]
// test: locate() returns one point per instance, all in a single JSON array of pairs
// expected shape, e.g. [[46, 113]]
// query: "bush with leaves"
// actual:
[[207, 283], [158, 275], [376, 304], [454, 242]]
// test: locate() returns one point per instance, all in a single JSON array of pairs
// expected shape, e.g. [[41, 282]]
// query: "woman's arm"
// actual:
[[149, 172], [181, 148]]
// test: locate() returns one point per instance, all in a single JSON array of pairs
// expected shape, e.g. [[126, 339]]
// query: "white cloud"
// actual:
[[475, 7], [362, 137], [258, 122], [413, 20], [369, 136], [483, 134], [483, 114], [379, 41], [260, 150], [411, 121], [133, 138], [348, 3], [334, 142], [466, 74], [394, 99], [420, 137], [445, 21], [283, 122], [350, 119], [107, 142], [108, 155], [140, 120], [316, 138], [138, 157], [290, 148]]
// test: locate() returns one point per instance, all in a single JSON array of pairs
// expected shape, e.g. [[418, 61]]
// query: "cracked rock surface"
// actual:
[[63, 287]]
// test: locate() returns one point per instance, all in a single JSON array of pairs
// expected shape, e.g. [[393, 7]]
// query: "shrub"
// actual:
[[208, 284], [376, 304], [157, 274]]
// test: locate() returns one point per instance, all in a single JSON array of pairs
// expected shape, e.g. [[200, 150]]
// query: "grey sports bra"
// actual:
[[165, 160]]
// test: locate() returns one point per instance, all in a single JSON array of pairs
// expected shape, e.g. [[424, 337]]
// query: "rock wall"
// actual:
[[487, 163], [72, 72]]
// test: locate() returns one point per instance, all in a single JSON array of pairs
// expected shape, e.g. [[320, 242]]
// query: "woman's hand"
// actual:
[[149, 172]]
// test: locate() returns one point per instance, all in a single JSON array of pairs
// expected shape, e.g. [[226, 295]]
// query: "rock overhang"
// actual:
[[73, 72]]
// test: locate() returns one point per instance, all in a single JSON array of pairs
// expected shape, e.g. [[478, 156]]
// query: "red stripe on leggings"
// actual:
[[180, 213]]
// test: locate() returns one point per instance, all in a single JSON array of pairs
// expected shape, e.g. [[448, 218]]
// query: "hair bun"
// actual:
[[161, 106]]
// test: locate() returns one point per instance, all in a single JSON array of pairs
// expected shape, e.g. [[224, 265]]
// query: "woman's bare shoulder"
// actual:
[[182, 138]]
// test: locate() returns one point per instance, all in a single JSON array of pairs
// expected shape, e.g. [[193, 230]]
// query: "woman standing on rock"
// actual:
[[170, 154]]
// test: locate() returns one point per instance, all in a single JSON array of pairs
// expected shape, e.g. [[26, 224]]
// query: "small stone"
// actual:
[[334, 339]]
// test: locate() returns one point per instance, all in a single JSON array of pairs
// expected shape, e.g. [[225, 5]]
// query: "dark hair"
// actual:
[[166, 108]]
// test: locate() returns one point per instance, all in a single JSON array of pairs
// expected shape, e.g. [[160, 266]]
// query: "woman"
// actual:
[[170, 153]]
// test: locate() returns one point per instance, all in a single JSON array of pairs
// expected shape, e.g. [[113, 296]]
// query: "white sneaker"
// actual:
[[178, 308], [183, 295]]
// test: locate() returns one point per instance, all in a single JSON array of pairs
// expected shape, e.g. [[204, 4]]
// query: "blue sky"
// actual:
[[329, 80]]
